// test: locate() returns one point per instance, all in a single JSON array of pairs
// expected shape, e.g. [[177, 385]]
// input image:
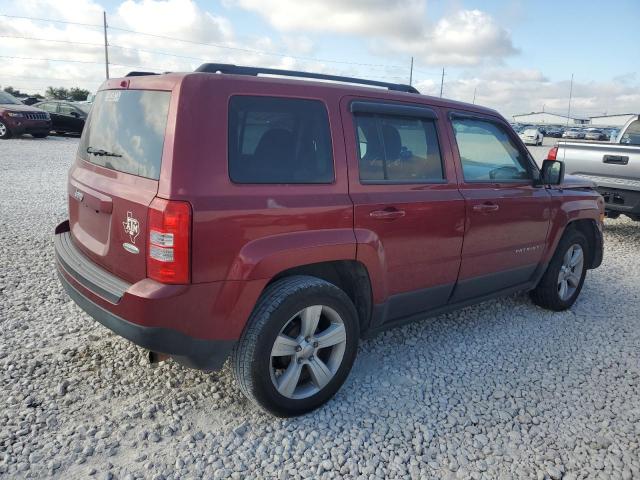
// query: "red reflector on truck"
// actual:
[[553, 153], [169, 256]]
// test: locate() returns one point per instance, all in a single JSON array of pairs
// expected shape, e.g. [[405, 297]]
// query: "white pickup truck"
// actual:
[[613, 167]]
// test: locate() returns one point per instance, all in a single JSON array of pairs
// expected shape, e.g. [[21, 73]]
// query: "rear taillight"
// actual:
[[168, 252], [553, 153]]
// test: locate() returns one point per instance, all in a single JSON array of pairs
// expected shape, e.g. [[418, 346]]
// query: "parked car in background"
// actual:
[[573, 133], [595, 134], [531, 136], [66, 117], [613, 167], [554, 132], [17, 118], [341, 209], [30, 100]]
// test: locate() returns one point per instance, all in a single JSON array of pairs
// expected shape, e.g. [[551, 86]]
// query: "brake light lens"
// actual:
[[168, 254], [553, 153]]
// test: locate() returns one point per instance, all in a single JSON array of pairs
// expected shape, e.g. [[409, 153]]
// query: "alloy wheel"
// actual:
[[308, 352], [570, 271]]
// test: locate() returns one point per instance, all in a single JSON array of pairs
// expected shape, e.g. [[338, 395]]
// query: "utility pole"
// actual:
[[106, 48], [442, 82], [411, 73], [570, 94], [474, 95]]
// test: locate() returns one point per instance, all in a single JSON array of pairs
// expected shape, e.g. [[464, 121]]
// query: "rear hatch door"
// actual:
[[115, 178]]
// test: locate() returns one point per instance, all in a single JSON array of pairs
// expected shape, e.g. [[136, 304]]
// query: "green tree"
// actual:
[[78, 94], [57, 93], [13, 91]]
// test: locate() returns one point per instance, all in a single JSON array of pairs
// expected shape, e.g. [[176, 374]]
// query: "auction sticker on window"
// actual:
[[112, 96]]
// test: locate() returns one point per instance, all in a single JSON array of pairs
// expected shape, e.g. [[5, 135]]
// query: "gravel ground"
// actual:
[[499, 390]]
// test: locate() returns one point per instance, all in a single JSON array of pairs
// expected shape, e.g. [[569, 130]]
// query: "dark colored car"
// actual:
[[66, 117], [30, 100], [17, 118], [554, 132], [278, 221]]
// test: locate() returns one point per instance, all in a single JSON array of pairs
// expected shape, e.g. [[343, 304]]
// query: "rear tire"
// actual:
[[298, 346], [5, 133], [562, 282]]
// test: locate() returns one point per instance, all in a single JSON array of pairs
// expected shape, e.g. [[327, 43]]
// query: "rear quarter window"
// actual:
[[279, 140]]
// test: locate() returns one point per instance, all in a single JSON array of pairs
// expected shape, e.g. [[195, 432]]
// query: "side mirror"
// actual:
[[552, 172]]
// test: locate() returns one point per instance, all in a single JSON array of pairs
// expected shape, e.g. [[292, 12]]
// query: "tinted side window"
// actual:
[[398, 149], [279, 140], [48, 107], [66, 109], [487, 152]]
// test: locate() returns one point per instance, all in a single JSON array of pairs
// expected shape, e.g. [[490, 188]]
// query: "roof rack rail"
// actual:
[[140, 74], [255, 71]]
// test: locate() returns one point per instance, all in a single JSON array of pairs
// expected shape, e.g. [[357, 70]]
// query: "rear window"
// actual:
[[125, 131], [279, 140]]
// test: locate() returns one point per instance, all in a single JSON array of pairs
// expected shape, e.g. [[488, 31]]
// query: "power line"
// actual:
[[51, 40], [214, 45], [50, 20], [79, 61]]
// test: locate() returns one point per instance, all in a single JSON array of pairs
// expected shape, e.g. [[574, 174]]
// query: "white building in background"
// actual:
[[612, 120], [547, 118]]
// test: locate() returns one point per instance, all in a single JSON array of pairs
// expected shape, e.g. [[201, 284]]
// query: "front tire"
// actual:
[[298, 346], [5, 133], [562, 282]]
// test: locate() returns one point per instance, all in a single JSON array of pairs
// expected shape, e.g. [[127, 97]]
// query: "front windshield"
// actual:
[[8, 99]]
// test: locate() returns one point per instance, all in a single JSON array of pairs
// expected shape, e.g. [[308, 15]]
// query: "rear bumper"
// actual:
[[194, 324], [620, 200], [192, 352]]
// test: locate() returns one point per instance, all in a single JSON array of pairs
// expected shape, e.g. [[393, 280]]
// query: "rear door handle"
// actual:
[[616, 159], [387, 214], [486, 207]]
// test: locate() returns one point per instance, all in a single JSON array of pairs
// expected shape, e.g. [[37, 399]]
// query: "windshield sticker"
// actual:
[[112, 96]]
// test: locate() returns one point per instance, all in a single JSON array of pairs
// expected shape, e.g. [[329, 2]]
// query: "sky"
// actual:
[[514, 56]]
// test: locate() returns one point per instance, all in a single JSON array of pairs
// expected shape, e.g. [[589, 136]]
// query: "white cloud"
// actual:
[[467, 37], [369, 18], [513, 91], [173, 17]]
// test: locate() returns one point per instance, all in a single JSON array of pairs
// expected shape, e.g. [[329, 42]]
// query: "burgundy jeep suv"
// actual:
[[17, 118], [277, 221]]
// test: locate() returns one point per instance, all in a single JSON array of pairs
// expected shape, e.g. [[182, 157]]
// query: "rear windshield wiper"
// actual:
[[101, 153]]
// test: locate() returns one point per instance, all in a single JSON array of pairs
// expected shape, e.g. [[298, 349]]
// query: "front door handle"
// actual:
[[486, 207], [390, 213]]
